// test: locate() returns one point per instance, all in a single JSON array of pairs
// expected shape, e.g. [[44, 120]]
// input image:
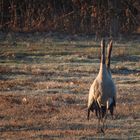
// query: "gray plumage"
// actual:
[[103, 90], [111, 103]]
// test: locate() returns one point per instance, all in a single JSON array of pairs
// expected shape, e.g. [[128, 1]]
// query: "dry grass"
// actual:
[[63, 116], [44, 89]]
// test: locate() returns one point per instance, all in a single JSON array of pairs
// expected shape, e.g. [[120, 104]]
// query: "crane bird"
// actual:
[[102, 91]]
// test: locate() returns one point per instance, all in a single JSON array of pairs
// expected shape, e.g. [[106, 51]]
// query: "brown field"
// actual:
[[44, 83]]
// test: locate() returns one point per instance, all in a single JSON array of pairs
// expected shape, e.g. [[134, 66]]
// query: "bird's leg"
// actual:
[[111, 109], [103, 117], [99, 126], [104, 120], [98, 123], [88, 113], [99, 119], [102, 126]]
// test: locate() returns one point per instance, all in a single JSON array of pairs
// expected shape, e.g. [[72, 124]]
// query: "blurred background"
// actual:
[[98, 17]]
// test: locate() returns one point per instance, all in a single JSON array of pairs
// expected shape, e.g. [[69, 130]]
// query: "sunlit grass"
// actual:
[[54, 76]]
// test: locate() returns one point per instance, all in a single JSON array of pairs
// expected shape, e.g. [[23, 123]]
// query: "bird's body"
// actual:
[[102, 88]]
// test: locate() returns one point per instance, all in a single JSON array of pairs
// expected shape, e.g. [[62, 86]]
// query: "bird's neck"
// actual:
[[108, 63], [103, 70]]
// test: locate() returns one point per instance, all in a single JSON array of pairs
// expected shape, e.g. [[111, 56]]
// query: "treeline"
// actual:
[[73, 16]]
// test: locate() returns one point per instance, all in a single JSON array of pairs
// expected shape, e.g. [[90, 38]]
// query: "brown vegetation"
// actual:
[[72, 16]]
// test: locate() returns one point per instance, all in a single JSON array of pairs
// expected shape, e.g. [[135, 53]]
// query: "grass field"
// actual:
[[44, 84]]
